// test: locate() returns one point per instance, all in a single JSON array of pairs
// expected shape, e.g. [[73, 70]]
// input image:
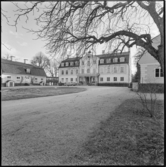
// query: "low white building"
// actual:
[[17, 73], [105, 69], [150, 68]]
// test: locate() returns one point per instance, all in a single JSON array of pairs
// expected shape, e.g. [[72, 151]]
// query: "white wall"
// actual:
[[23, 78], [105, 74]]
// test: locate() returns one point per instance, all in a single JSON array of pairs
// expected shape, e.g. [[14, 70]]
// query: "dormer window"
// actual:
[[122, 59], [108, 60], [67, 63], [62, 64], [76, 63], [101, 61], [115, 60], [27, 70]]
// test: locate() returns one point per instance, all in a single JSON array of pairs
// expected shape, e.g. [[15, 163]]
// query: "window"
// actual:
[[28, 70], [94, 61], [76, 63], [82, 62], [62, 79], [66, 72], [115, 78], [101, 61], [101, 70], [115, 60], [71, 63], [71, 79], [8, 76], [108, 60], [62, 64], [66, 79], [158, 72], [76, 79], [122, 69], [62, 72], [108, 78], [67, 64], [115, 70], [88, 70], [121, 78], [35, 78], [82, 71], [18, 77], [76, 71], [88, 63], [71, 71], [94, 71], [122, 59], [108, 69], [101, 78]]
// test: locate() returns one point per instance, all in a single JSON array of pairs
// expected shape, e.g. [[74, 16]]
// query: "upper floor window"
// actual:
[[76, 63], [82, 71], [115, 69], [82, 62], [94, 71], [101, 61], [108, 69], [88, 63], [122, 69], [158, 72], [76, 71], [88, 70], [27, 70], [67, 63], [66, 72], [71, 63], [62, 72], [122, 59], [115, 60], [71, 71], [108, 60], [62, 64]]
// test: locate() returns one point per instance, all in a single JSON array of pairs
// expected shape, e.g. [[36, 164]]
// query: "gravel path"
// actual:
[[49, 130]]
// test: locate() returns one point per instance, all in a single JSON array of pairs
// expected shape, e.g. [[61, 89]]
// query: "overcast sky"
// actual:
[[21, 43]]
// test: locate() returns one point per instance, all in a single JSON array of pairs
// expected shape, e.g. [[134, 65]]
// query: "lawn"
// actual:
[[128, 137], [23, 93]]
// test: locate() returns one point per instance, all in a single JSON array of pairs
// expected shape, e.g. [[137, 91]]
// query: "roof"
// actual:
[[113, 55], [13, 67], [72, 59]]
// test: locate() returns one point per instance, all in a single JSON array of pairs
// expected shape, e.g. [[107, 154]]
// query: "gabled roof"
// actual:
[[13, 67]]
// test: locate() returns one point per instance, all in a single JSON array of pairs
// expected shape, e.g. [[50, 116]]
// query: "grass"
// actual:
[[128, 137], [23, 93]]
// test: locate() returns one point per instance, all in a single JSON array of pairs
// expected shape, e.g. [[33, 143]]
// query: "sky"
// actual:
[[22, 45]]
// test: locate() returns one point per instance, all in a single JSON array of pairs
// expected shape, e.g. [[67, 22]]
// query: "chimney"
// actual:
[[11, 58], [103, 51], [25, 60]]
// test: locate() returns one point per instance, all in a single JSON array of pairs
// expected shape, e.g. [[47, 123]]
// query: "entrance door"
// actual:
[[87, 80]]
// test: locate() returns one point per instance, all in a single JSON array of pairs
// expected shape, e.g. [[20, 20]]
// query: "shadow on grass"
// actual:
[[128, 137]]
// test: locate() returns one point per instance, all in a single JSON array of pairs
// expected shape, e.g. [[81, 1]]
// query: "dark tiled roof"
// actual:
[[72, 59], [14, 67], [113, 55]]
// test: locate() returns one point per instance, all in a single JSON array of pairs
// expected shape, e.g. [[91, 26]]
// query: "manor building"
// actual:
[[104, 69]]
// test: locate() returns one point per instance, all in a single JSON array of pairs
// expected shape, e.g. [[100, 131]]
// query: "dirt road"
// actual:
[[49, 130]]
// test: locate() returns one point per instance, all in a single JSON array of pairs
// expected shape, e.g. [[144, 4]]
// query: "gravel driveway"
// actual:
[[49, 130]]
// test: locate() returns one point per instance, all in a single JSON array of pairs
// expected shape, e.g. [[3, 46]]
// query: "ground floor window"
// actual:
[[115, 78], [158, 72], [71, 79], [18, 77], [101, 78], [8, 76], [62, 79], [108, 78], [66, 79], [121, 78]]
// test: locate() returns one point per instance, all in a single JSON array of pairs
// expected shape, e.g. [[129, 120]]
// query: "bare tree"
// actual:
[[52, 68], [6, 56], [40, 60], [81, 25]]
